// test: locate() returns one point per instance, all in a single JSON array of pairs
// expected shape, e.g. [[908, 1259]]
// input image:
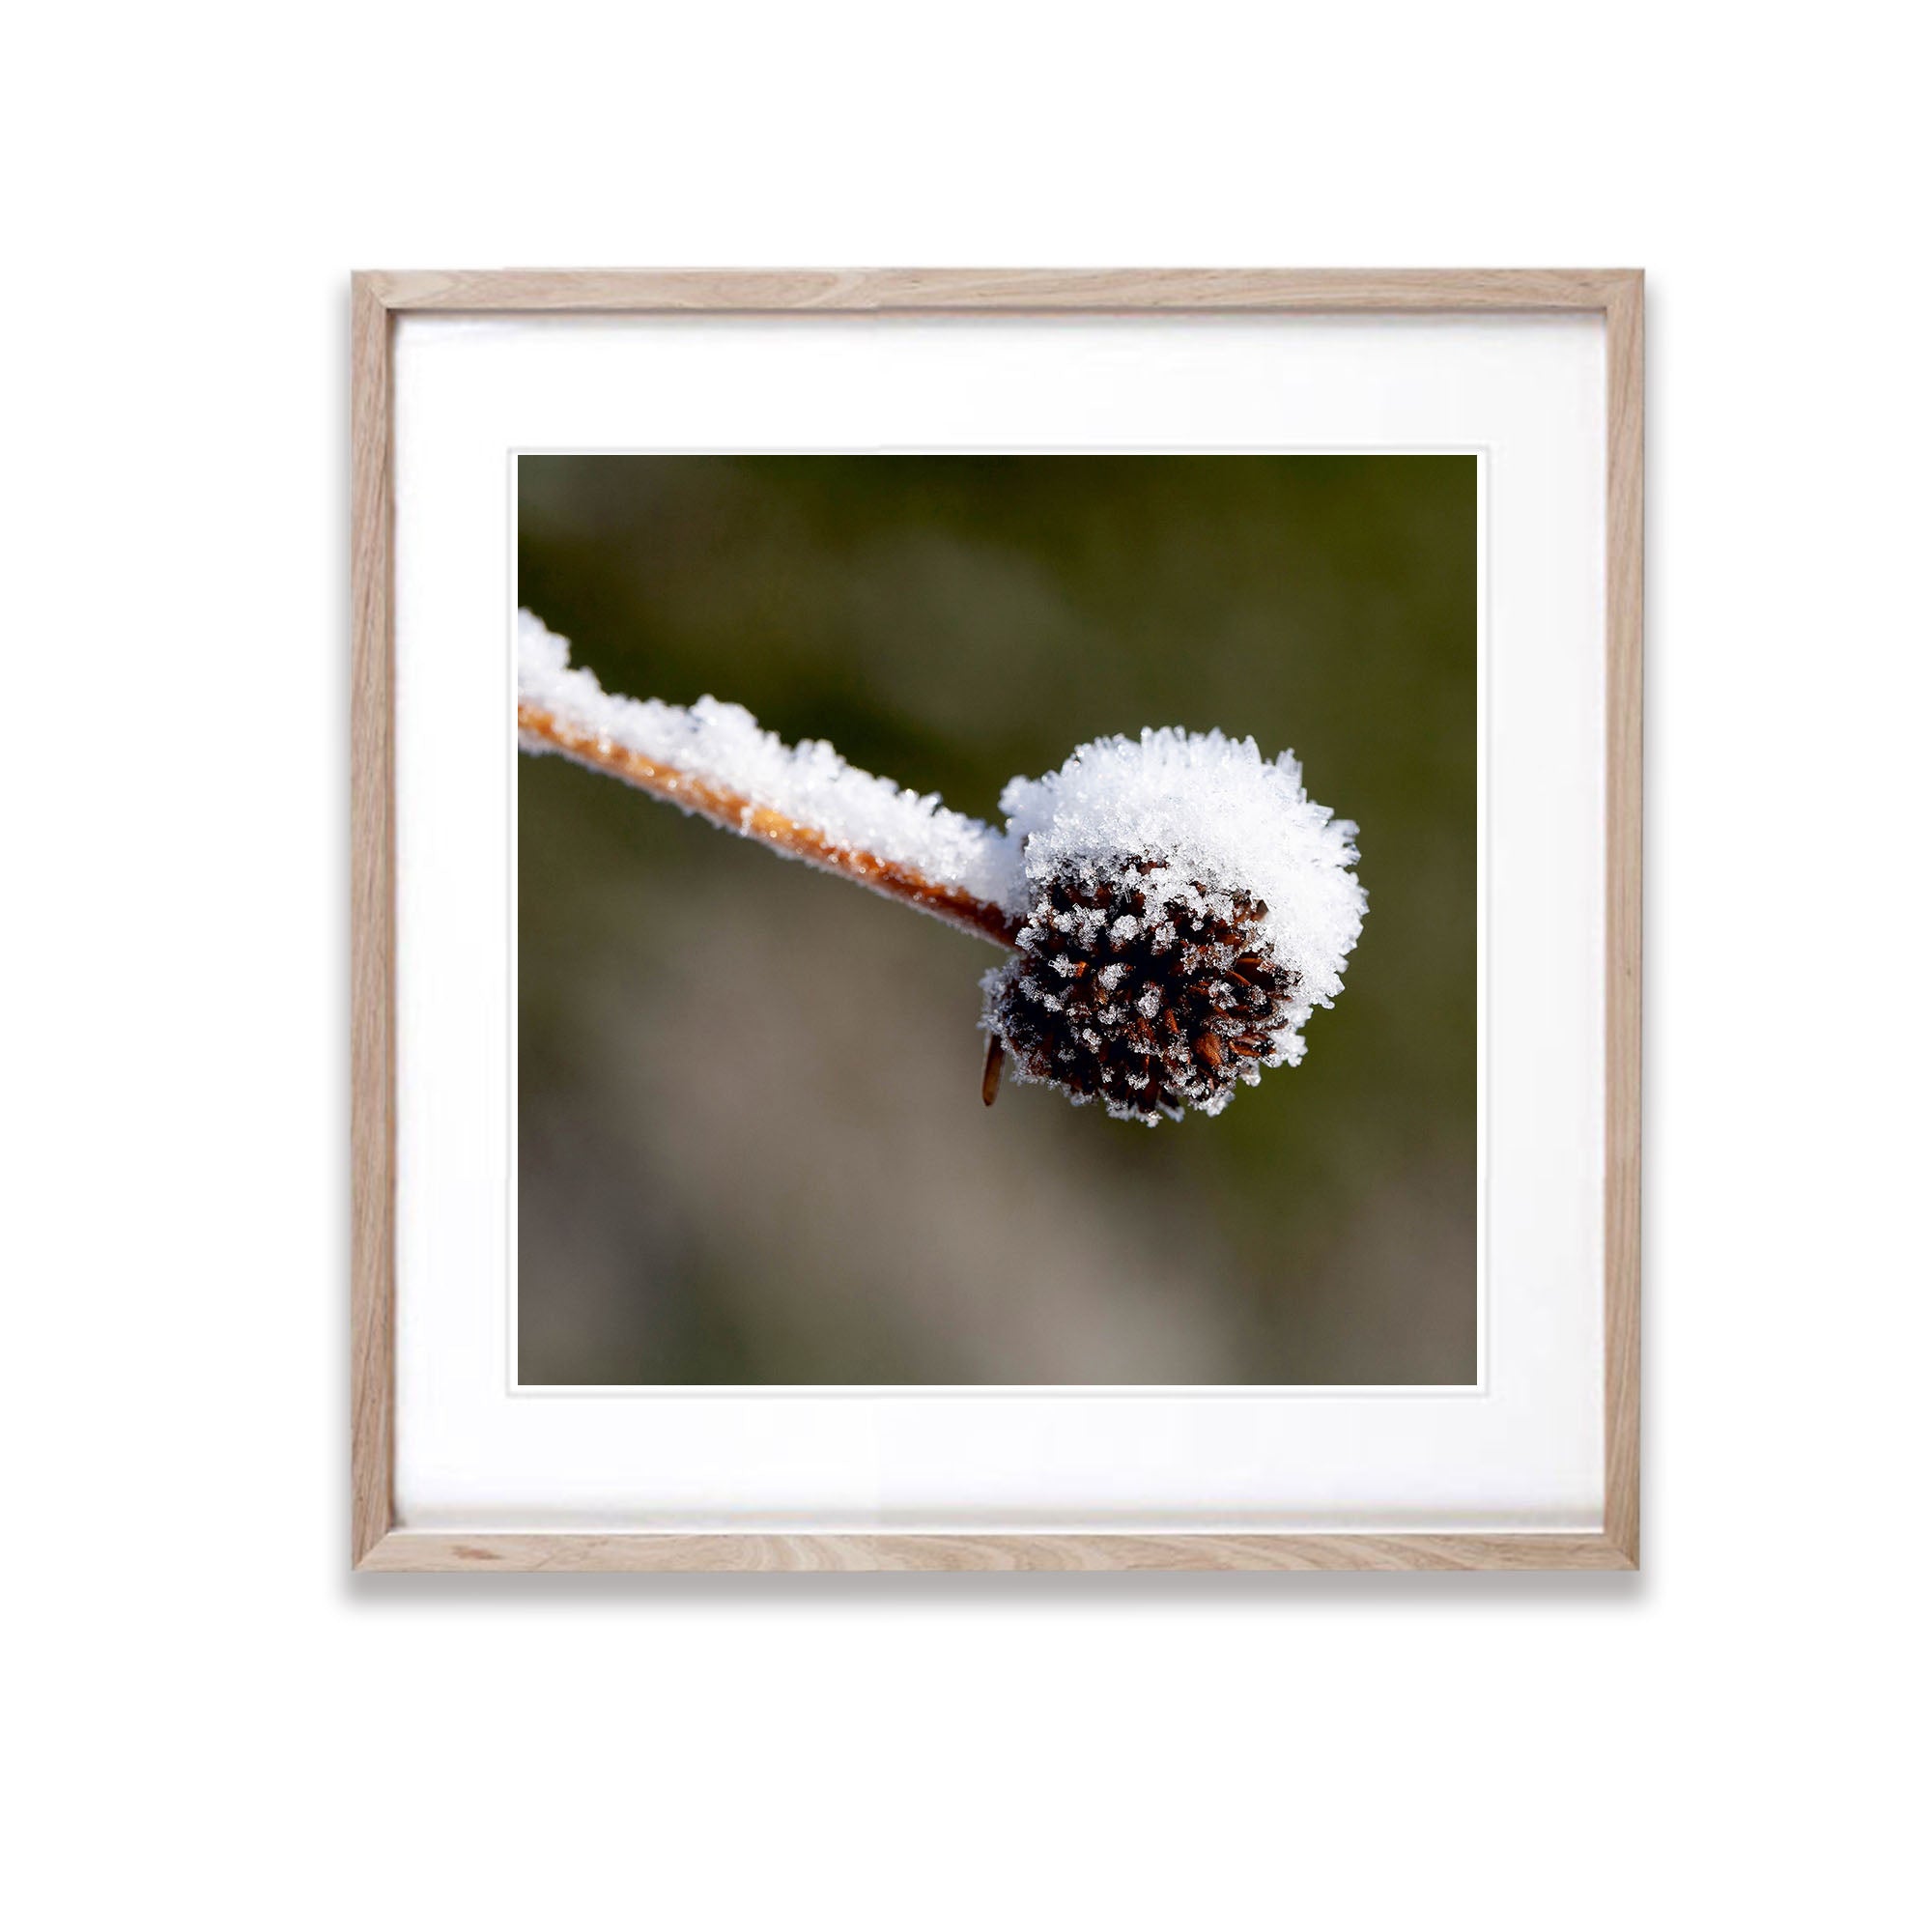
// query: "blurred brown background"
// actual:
[[752, 1148]]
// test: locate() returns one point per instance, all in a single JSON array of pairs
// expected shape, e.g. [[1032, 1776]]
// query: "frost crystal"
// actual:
[[808, 783]]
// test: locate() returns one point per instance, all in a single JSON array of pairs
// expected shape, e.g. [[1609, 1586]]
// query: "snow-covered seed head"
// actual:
[[1179, 906], [1185, 907]]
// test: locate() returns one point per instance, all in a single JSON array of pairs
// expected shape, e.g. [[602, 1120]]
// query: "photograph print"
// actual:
[[996, 920]]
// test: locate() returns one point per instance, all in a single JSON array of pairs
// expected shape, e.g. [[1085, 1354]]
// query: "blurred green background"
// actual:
[[751, 1142]]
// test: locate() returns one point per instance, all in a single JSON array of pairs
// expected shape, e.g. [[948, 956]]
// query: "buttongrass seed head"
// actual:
[[1183, 907]]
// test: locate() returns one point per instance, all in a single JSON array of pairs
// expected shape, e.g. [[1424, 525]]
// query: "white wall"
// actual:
[[216, 1723]]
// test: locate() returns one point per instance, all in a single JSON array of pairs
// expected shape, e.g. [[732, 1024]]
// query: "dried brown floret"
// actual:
[[1149, 1000]]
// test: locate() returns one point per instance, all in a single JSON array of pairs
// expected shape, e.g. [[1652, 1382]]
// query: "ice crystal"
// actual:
[[808, 783]]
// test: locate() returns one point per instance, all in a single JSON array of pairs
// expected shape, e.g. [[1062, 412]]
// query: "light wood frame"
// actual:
[[377, 1542]]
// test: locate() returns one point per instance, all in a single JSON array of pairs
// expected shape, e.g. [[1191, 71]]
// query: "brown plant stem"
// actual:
[[734, 813], [996, 1061]]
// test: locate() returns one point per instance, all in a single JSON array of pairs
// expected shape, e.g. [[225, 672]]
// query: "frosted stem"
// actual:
[[711, 798]]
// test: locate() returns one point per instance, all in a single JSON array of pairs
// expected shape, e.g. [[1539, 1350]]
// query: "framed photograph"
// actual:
[[996, 919]]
